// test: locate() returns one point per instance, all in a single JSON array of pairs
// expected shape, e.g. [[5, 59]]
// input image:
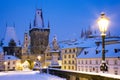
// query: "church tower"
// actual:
[[25, 43], [39, 34]]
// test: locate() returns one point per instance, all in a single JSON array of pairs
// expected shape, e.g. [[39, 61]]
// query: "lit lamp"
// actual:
[[39, 57], [103, 23]]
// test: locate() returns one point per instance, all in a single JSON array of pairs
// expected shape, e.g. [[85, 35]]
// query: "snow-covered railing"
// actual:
[[79, 75]]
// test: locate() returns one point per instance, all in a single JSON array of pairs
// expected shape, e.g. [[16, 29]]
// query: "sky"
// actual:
[[66, 17]]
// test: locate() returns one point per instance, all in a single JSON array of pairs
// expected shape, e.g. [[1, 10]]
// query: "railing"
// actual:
[[77, 75]]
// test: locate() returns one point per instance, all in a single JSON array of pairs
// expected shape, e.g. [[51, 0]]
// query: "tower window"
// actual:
[[26, 38], [41, 43]]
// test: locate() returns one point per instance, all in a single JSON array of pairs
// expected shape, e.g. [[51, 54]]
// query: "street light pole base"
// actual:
[[103, 67]]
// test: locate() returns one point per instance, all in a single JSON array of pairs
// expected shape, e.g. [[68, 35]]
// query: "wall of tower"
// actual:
[[39, 39]]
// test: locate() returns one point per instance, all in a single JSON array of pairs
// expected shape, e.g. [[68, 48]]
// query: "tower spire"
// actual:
[[48, 24], [42, 19], [38, 21], [30, 25], [14, 25]]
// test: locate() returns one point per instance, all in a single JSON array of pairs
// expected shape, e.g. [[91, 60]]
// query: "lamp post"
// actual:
[[39, 58], [103, 23]]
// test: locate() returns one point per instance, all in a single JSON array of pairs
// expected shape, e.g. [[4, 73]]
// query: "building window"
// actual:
[[73, 67], [115, 62], [73, 56], [96, 61], [82, 62], [93, 69], [74, 50], [116, 72], [47, 54], [8, 63], [69, 56], [72, 62], [70, 50], [13, 62], [68, 67], [69, 62], [86, 62], [41, 43], [64, 56], [65, 62], [90, 62], [78, 61], [65, 51], [96, 69], [41, 52], [64, 67]]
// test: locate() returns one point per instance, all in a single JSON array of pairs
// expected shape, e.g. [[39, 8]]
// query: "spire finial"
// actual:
[[30, 25], [13, 24], [42, 19], [6, 24], [48, 24]]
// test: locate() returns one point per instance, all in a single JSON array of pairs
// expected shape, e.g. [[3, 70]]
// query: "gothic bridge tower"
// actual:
[[39, 35]]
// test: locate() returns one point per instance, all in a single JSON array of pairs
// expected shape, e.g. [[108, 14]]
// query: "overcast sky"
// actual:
[[66, 17]]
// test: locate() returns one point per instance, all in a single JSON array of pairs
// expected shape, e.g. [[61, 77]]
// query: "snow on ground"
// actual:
[[27, 75]]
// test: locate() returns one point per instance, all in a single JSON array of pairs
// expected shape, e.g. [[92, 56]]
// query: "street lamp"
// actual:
[[39, 57], [39, 65], [103, 23]]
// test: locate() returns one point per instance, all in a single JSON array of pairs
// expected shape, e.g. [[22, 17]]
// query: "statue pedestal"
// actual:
[[54, 62]]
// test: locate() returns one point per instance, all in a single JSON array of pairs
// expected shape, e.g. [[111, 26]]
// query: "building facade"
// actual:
[[13, 49], [90, 58], [69, 58], [1, 59], [10, 62]]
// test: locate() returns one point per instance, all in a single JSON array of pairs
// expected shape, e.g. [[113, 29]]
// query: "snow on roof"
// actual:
[[96, 52], [53, 51], [78, 43], [109, 39], [10, 34], [10, 57]]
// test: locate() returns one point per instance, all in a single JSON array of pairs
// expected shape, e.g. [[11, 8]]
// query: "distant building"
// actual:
[[70, 51], [1, 59], [90, 58], [10, 62], [11, 45]]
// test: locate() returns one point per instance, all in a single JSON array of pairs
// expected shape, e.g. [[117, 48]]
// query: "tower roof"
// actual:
[[9, 35], [38, 21]]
